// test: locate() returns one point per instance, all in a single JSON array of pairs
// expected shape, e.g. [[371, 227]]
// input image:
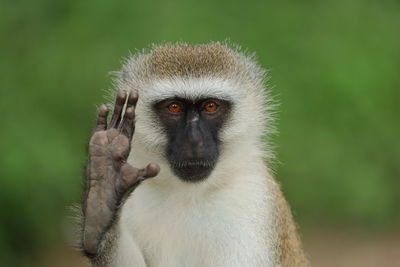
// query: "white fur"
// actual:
[[222, 221], [248, 116]]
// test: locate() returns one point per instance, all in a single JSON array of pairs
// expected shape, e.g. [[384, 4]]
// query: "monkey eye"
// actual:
[[210, 106], [175, 107]]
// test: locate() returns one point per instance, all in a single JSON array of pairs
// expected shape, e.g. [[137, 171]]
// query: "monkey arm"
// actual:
[[119, 249], [109, 181], [290, 251]]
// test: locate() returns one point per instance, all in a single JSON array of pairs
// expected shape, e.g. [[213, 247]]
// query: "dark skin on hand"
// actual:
[[110, 179]]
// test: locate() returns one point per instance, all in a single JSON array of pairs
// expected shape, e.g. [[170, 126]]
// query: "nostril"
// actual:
[[197, 148], [194, 135], [199, 144]]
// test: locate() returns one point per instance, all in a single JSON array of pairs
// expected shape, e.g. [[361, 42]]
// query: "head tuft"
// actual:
[[187, 60]]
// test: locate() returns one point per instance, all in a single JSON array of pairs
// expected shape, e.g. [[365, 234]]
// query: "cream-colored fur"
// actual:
[[219, 222], [230, 218]]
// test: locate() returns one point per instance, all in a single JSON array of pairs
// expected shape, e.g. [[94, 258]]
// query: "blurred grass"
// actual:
[[334, 66]]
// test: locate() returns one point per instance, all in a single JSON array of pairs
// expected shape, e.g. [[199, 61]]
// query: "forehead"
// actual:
[[191, 72], [191, 89]]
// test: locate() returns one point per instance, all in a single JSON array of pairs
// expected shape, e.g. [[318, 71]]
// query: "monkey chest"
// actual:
[[173, 233]]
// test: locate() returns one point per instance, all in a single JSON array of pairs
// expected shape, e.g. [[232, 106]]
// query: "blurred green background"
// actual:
[[334, 66]]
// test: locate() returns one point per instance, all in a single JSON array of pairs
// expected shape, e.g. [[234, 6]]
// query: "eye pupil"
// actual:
[[174, 107], [211, 106]]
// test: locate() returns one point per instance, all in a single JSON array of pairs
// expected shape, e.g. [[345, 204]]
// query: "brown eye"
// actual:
[[175, 107], [210, 106]]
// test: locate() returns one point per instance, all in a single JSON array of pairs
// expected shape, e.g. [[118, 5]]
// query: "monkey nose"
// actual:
[[198, 148]]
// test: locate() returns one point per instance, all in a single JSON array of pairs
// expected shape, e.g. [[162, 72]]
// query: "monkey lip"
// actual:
[[192, 170]]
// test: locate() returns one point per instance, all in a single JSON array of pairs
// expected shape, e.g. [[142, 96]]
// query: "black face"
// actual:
[[192, 129]]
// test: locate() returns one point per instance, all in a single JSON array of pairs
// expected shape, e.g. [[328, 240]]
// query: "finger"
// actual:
[[102, 113], [150, 171], [130, 176], [132, 99], [119, 105], [128, 124]]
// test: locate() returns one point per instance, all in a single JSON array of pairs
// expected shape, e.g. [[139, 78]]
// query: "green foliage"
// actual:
[[334, 66]]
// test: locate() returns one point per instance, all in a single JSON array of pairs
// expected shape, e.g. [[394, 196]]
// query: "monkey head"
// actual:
[[198, 106]]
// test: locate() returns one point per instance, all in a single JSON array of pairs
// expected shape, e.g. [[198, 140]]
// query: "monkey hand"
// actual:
[[110, 179]]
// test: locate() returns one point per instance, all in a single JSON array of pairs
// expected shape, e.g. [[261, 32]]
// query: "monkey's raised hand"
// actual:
[[110, 178]]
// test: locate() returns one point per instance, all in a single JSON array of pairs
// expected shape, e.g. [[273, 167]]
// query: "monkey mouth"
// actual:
[[192, 170]]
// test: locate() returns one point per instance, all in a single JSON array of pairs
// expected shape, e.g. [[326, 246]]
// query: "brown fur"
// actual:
[[289, 248], [188, 60], [185, 60]]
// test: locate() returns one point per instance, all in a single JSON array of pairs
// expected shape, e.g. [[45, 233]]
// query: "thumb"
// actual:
[[132, 177]]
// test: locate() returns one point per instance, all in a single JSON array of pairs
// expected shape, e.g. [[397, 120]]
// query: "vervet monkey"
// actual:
[[200, 113]]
